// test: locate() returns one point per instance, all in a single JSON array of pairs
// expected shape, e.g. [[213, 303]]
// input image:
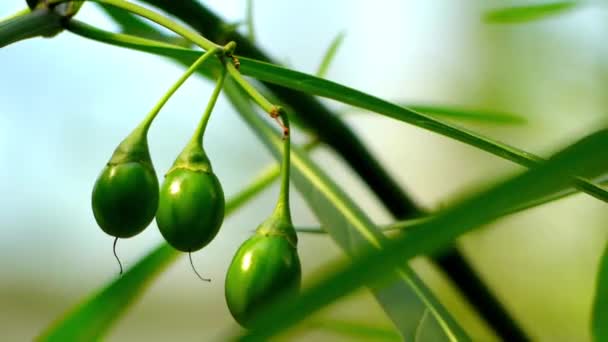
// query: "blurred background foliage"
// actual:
[[66, 102]]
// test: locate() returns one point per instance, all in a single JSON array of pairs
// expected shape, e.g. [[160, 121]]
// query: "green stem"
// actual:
[[282, 207], [15, 15], [200, 130], [40, 22], [145, 125], [251, 91], [159, 19]]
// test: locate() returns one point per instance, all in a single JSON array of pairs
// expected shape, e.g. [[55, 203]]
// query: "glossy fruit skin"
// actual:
[[264, 266], [125, 198], [191, 208]]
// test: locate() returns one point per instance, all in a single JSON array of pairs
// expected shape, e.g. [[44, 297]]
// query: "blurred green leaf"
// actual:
[[467, 114], [599, 319], [460, 114], [329, 55], [249, 21], [428, 237], [91, 319], [361, 331], [530, 12], [407, 299], [405, 224]]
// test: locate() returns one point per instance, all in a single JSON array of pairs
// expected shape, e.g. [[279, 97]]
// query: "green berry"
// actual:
[[191, 208], [125, 195], [264, 266]]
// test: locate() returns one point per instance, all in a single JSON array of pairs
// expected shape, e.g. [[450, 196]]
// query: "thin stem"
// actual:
[[148, 120], [159, 19], [265, 177], [200, 130], [283, 202], [255, 95]]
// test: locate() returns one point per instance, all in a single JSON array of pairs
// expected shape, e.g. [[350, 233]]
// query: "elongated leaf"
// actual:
[[92, 319], [530, 12], [460, 114], [362, 331], [249, 21], [317, 86], [405, 224], [467, 114], [330, 54], [599, 319], [406, 300], [428, 237]]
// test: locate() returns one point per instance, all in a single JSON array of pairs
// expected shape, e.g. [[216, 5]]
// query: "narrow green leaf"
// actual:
[[530, 12], [91, 319], [329, 55], [467, 114], [428, 237], [250, 23], [405, 224], [313, 85], [359, 330], [599, 318], [460, 114], [405, 300]]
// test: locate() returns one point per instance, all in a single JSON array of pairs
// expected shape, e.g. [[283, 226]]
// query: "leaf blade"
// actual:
[[599, 317], [429, 236], [527, 13], [330, 54]]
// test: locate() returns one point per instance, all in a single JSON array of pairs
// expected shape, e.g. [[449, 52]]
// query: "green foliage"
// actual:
[[375, 265], [407, 299], [377, 262], [527, 13], [599, 319], [330, 54]]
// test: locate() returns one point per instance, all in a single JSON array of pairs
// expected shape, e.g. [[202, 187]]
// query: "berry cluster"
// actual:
[[189, 207]]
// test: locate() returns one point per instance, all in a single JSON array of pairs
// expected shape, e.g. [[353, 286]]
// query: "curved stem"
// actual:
[[159, 19], [200, 130], [145, 125]]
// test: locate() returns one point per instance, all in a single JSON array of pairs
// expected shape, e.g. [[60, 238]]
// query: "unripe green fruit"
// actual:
[[125, 198], [191, 208], [264, 266]]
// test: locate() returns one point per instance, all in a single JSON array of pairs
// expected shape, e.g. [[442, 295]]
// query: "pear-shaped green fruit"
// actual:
[[125, 198], [265, 266], [191, 208]]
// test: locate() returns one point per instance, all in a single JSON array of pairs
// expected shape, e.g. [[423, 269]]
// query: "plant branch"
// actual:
[[25, 24]]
